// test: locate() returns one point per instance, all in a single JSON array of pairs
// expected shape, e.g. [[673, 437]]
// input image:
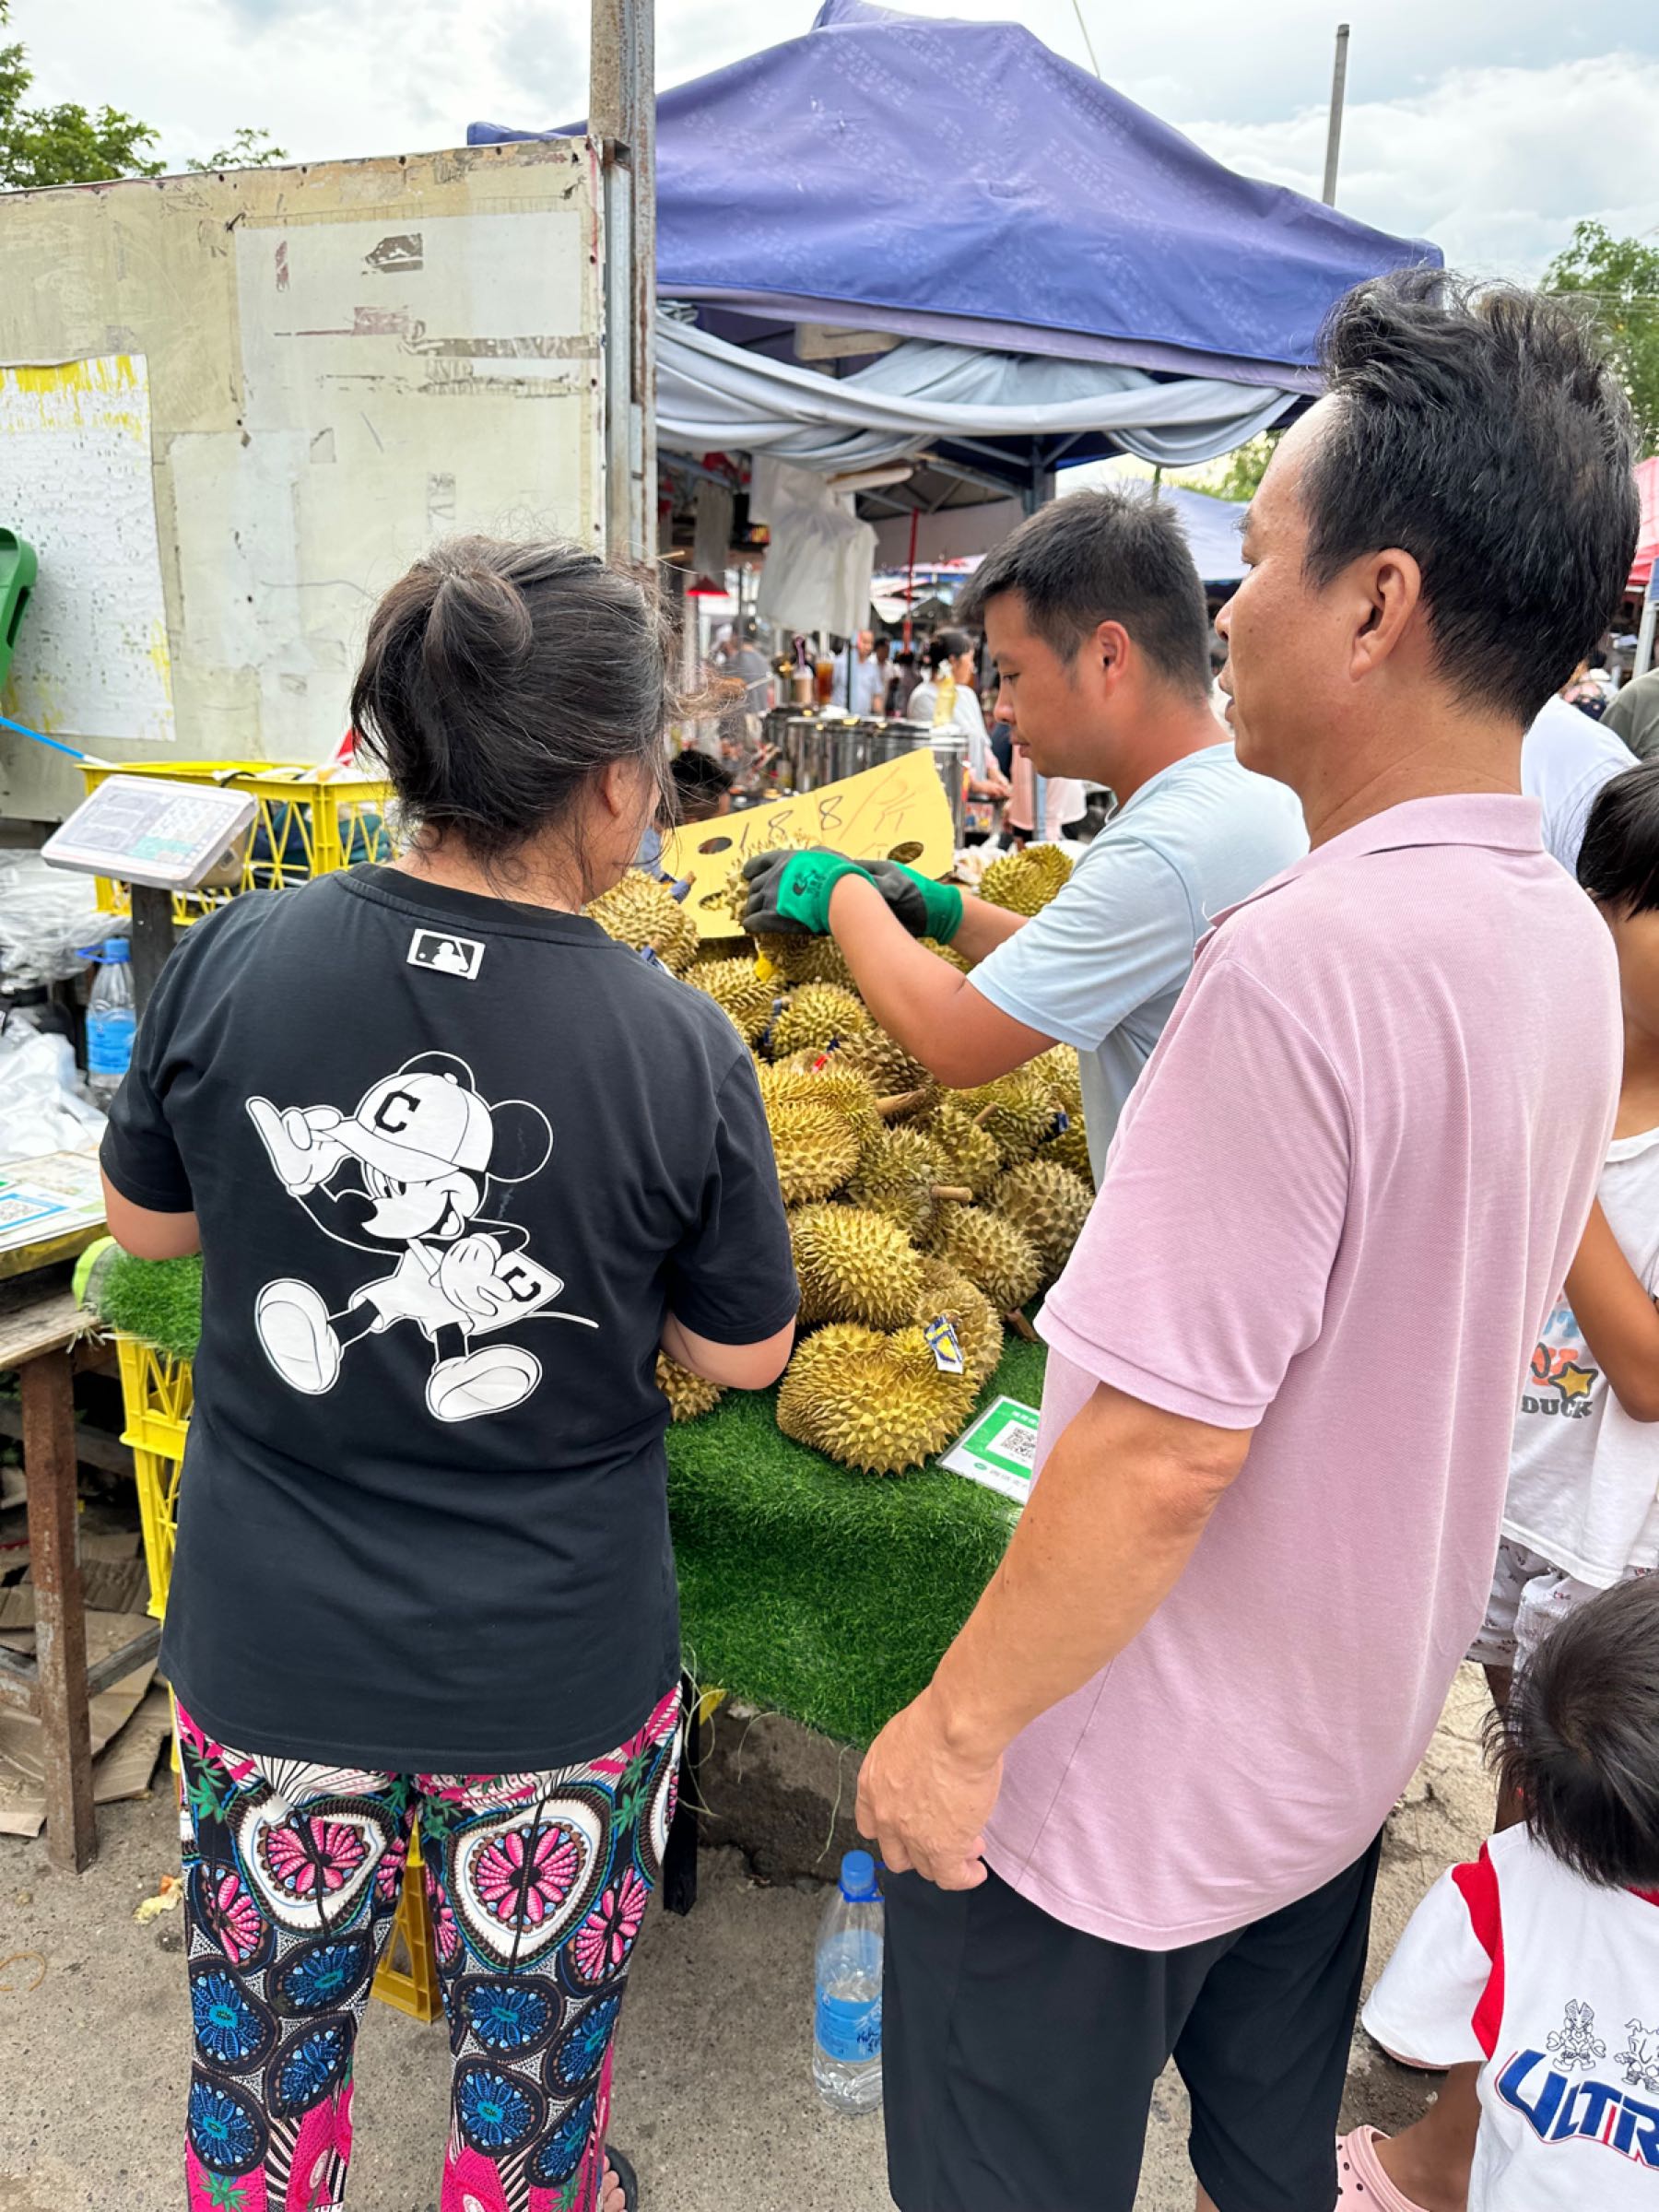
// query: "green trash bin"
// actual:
[[17, 566]]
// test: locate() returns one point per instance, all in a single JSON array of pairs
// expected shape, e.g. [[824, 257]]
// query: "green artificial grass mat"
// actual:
[[806, 1587]]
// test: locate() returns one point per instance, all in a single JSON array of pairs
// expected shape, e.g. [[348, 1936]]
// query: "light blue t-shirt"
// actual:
[[1101, 967]]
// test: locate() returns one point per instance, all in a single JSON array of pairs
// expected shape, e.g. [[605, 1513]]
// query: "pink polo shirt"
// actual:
[[1337, 1207]]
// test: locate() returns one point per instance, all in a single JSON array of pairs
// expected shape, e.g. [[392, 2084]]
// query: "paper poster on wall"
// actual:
[[75, 480], [897, 811]]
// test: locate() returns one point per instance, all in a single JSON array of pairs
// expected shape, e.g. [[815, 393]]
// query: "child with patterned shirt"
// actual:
[[1539, 1961], [1580, 1516]]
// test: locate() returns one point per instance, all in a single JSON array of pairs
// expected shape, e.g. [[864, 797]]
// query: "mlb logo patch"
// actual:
[[448, 954]]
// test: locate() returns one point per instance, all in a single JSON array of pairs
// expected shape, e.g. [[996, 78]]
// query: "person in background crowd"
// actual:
[[450, 1210], [1002, 739], [1138, 1812], [854, 690], [1590, 687], [1566, 757], [745, 661], [1064, 803], [1634, 716], [1532, 1969], [1581, 1514], [953, 650], [882, 682], [1096, 616], [907, 675], [703, 787]]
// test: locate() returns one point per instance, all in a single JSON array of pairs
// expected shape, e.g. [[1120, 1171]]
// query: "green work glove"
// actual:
[[926, 909], [789, 892]]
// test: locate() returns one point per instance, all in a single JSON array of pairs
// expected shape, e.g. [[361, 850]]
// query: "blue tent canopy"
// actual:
[[959, 180]]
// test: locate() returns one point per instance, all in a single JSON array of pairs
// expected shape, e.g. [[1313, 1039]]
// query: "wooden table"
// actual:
[[43, 1334]]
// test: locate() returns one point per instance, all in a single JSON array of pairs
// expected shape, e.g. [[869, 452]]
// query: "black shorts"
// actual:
[[1019, 2055]]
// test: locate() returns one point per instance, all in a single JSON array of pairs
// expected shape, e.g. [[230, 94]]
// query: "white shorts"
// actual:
[[1531, 1595]]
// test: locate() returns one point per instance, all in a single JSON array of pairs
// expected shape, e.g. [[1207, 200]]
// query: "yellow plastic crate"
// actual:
[[157, 1392], [308, 821]]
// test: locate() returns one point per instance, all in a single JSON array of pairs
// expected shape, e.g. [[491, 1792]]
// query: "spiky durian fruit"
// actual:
[[971, 1155], [992, 1252], [816, 1149], [1020, 1111], [902, 1176], [1049, 1203], [716, 952], [737, 989], [877, 1402], [1058, 1068], [1070, 1149], [853, 1266], [809, 1080], [1023, 883], [804, 960], [890, 1068], [815, 1018], [949, 954], [947, 1295], [639, 911], [688, 1395]]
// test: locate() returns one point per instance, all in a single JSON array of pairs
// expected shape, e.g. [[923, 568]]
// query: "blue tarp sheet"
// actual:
[[966, 182]]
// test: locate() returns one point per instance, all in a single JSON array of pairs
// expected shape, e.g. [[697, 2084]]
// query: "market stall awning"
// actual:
[[958, 182]]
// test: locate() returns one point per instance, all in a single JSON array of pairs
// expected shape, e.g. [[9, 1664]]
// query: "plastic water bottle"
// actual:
[[846, 2044], [111, 1023]]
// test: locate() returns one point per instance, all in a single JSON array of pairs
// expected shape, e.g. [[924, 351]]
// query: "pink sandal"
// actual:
[[1361, 2184]]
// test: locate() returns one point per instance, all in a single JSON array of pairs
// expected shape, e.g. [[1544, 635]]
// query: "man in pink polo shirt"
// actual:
[[1142, 1796]]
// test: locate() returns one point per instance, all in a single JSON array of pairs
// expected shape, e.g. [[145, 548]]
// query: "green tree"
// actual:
[[1617, 282], [1246, 465], [66, 143], [248, 150]]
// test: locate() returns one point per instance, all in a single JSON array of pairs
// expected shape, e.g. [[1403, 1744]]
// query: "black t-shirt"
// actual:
[[454, 1160]]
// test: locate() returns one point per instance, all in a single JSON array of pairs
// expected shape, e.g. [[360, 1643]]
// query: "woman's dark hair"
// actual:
[[699, 782], [1099, 557], [1619, 861], [1578, 1744], [499, 678], [948, 645], [1482, 430]]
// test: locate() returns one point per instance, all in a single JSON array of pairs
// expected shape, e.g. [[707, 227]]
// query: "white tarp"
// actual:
[[712, 394]]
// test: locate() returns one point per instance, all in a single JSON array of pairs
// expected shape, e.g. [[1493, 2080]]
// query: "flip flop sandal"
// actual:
[[1361, 2184], [623, 2171]]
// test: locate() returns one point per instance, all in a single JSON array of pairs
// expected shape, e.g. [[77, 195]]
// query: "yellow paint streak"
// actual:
[[79, 395], [161, 660]]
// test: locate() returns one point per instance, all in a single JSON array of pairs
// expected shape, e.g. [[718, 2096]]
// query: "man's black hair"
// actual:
[[1619, 861], [1578, 1744], [1099, 557], [1480, 430]]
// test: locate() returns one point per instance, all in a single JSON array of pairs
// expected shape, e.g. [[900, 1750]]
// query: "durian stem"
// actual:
[[957, 1193], [905, 1101], [983, 1116], [1020, 1325]]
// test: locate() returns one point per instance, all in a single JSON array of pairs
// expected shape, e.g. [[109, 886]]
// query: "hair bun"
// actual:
[[478, 619]]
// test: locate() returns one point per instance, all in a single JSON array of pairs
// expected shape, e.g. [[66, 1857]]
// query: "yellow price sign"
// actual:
[[897, 811]]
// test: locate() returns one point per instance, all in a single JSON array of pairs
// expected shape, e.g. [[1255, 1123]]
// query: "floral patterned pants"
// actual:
[[537, 1883]]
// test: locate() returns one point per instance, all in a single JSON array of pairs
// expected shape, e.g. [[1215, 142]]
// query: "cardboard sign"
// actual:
[[897, 811]]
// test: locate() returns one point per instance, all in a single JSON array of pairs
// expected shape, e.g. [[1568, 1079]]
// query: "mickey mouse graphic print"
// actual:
[[406, 1177], [453, 1161]]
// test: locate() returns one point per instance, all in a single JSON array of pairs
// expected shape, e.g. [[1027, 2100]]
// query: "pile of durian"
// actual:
[[921, 1216]]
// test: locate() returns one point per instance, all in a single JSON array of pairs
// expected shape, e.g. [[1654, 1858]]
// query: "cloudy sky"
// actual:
[[1489, 126]]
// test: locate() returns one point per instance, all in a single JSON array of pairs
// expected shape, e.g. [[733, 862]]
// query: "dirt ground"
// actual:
[[715, 2100]]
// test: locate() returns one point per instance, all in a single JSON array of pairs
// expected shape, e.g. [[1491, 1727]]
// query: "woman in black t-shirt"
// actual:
[[458, 1166]]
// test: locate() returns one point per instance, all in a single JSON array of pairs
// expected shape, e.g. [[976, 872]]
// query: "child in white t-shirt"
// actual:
[[1539, 1961], [1581, 1514]]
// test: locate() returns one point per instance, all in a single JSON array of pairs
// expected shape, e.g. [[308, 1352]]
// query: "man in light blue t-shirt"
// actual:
[[1096, 618]]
